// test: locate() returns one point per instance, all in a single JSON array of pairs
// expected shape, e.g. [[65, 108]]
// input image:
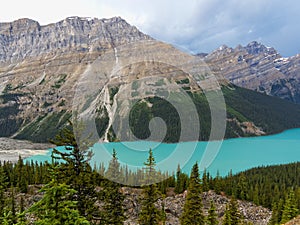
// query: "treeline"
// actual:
[[75, 193], [271, 114], [275, 187]]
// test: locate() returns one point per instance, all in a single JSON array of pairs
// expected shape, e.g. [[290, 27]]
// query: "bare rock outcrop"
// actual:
[[259, 68]]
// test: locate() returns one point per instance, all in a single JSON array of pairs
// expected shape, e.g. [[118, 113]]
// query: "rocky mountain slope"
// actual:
[[102, 67], [40, 65], [259, 68]]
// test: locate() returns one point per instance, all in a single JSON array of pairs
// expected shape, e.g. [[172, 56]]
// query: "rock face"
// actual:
[[25, 38], [42, 67], [46, 70], [259, 68]]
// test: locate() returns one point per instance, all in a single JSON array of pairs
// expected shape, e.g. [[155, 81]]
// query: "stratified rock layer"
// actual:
[[259, 68]]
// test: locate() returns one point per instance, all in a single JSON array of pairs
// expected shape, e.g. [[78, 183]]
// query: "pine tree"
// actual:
[[232, 214], [256, 195], [290, 209], [227, 217], [217, 183], [192, 210], [113, 198], [3, 186], [75, 170], [242, 187], [212, 216], [275, 215], [205, 181], [149, 214], [21, 176], [56, 206], [181, 181]]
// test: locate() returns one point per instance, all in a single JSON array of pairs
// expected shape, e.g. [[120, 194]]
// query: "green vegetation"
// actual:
[[101, 121], [232, 214], [56, 206], [9, 124], [113, 210], [192, 210], [263, 184], [45, 127], [149, 214], [184, 81], [46, 104], [271, 114], [60, 81], [112, 92], [212, 215]]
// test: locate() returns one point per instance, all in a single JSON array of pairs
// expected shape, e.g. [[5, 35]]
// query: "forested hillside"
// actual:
[[74, 192]]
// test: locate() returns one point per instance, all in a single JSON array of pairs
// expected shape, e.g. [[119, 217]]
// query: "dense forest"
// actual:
[[271, 114], [70, 190]]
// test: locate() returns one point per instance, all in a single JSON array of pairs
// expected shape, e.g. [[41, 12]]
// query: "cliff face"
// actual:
[[40, 65], [103, 64], [259, 68], [41, 68], [25, 38]]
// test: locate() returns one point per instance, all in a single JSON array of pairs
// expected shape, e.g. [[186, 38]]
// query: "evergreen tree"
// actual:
[[21, 176], [227, 217], [55, 207], [290, 209], [275, 215], [113, 198], [181, 181], [212, 216], [192, 210], [232, 214], [75, 170], [242, 187], [149, 214], [256, 195], [205, 181], [3, 186], [217, 183]]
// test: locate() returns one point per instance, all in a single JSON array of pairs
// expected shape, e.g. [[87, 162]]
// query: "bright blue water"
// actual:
[[236, 154]]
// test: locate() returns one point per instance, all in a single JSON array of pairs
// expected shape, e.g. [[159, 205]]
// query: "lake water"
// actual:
[[236, 154]]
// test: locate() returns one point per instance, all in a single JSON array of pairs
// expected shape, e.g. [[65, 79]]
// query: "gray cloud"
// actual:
[[198, 25], [204, 25]]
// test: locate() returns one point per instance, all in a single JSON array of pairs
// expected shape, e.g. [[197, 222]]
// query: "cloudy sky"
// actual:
[[194, 25]]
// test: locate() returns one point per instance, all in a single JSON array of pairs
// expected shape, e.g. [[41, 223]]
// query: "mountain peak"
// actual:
[[255, 48], [25, 37]]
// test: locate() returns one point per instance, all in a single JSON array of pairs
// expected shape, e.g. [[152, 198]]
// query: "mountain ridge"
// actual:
[[40, 67], [258, 68]]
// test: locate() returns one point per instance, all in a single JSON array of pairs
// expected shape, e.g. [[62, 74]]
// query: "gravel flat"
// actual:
[[10, 149]]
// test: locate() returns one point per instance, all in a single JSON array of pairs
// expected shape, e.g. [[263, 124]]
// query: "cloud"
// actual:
[[204, 25], [199, 25]]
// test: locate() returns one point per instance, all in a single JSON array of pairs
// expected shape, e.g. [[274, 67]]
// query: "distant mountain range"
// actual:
[[40, 67], [258, 68]]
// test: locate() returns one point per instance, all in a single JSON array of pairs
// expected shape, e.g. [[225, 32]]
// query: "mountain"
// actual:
[[109, 71], [258, 68]]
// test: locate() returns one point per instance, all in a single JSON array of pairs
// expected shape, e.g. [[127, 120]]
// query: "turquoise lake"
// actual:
[[236, 154]]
